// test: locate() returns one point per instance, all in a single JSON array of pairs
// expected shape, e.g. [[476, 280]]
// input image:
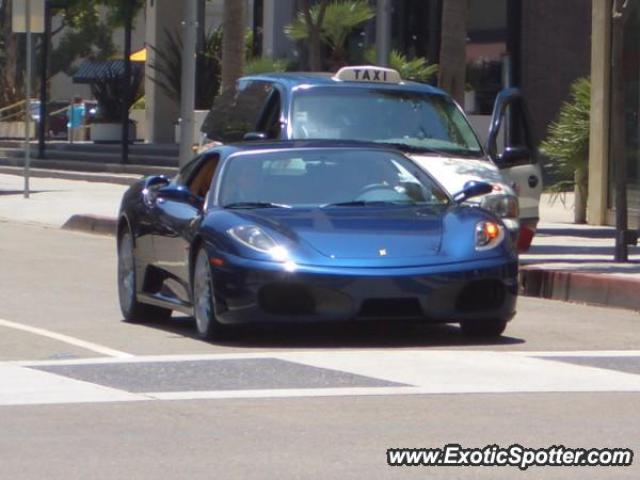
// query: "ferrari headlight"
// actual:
[[502, 206], [255, 238], [488, 235]]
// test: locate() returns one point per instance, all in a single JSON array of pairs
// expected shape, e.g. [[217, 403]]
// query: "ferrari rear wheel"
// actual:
[[491, 327], [203, 299], [132, 310]]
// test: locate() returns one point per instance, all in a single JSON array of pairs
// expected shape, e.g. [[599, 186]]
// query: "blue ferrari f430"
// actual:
[[310, 232]]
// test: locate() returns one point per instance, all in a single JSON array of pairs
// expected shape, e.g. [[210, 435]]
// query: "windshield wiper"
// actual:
[[256, 205], [443, 153], [405, 147], [364, 203]]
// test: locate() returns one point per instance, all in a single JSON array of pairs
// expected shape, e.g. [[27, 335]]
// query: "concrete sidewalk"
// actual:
[[79, 204], [566, 262], [575, 262]]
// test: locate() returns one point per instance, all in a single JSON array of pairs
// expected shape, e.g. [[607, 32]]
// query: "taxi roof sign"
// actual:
[[368, 73]]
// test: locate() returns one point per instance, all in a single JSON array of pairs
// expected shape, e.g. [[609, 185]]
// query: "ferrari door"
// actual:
[[177, 210]]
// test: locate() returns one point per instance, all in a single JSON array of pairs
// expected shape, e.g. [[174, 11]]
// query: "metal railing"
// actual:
[[19, 111]]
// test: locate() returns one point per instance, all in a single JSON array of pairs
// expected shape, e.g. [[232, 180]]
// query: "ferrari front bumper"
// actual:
[[249, 291]]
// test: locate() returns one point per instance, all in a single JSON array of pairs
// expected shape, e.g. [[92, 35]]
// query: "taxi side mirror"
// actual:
[[515, 156], [253, 136], [510, 127]]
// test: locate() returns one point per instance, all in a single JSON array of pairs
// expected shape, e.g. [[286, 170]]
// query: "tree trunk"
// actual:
[[453, 62], [12, 74], [315, 50], [580, 196], [315, 29], [232, 42]]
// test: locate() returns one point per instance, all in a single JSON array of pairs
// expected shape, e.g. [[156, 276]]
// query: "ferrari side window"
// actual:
[[187, 171], [200, 182]]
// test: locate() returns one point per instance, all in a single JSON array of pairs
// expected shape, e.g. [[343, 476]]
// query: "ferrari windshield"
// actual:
[[325, 177], [415, 120]]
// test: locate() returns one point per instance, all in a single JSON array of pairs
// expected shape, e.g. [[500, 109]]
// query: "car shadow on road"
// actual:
[[21, 192], [370, 334]]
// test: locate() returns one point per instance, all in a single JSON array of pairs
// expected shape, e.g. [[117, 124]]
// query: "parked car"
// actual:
[[375, 104], [312, 231]]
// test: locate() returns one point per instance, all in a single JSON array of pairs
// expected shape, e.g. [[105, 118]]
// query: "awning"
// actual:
[[139, 56], [91, 70]]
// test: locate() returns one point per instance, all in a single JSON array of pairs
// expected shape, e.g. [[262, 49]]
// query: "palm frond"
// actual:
[[417, 69], [567, 142]]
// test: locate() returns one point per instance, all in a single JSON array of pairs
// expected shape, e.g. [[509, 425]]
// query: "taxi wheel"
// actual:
[[492, 327], [203, 310], [132, 310]]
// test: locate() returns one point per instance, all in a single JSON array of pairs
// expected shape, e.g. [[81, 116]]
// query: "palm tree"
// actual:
[[416, 69], [308, 26], [451, 74], [233, 24], [568, 145], [331, 24]]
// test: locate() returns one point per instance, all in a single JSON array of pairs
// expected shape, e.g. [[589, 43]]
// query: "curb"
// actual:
[[92, 224], [118, 179], [92, 171], [580, 287]]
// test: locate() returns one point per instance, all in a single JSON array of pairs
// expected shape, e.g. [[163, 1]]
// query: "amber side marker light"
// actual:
[[216, 262], [492, 230], [488, 235]]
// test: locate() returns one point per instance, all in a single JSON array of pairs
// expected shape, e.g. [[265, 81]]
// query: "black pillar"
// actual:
[[514, 42], [44, 70], [618, 140], [126, 78], [435, 31], [258, 8]]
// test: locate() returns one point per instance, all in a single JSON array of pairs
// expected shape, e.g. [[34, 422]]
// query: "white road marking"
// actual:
[[423, 371], [94, 347], [284, 354], [25, 386], [471, 371], [581, 353]]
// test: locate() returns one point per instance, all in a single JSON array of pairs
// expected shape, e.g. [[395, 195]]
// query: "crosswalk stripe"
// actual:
[[94, 347], [414, 372]]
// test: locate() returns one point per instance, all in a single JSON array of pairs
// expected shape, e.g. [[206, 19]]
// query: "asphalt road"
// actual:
[[84, 395]]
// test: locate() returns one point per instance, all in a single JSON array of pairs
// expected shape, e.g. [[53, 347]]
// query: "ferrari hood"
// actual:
[[453, 173], [361, 233]]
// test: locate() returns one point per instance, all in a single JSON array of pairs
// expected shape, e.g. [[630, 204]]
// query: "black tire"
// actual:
[[132, 310], [487, 328], [207, 324]]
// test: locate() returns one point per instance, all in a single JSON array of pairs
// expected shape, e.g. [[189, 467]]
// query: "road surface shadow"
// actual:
[[21, 192], [578, 231], [355, 334]]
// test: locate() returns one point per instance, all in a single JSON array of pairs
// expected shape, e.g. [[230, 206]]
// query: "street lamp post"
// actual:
[[624, 236], [188, 94], [383, 32]]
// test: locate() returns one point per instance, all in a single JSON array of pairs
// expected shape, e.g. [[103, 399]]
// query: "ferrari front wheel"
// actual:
[[203, 298], [490, 327], [132, 310]]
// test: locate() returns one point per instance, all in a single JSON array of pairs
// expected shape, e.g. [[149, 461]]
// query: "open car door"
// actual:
[[510, 147]]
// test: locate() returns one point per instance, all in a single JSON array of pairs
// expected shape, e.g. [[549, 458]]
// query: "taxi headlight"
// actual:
[[502, 206], [488, 235], [255, 238]]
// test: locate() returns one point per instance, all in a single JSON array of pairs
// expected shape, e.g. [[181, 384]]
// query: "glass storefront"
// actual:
[[631, 78]]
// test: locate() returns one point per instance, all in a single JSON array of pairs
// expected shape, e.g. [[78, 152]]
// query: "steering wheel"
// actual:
[[384, 189]]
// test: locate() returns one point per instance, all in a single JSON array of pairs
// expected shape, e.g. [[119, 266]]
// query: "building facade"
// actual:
[[602, 161]]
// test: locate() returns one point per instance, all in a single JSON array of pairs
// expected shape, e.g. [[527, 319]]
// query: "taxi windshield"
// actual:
[[414, 120], [326, 178]]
